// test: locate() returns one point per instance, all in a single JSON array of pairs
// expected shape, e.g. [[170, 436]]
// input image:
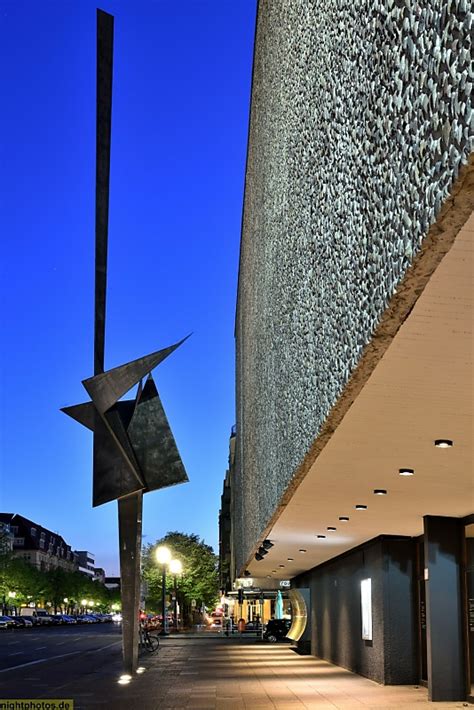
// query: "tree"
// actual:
[[199, 580], [21, 579]]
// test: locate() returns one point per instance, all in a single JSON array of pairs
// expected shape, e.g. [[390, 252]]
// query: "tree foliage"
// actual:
[[199, 580], [30, 585]]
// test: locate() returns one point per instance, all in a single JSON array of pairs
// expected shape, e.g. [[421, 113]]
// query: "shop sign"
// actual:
[[285, 583]]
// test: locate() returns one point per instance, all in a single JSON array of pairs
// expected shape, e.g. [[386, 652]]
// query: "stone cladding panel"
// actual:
[[361, 118]]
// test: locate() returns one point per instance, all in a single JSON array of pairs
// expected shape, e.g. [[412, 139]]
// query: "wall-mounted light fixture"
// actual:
[[366, 608], [443, 443], [267, 544]]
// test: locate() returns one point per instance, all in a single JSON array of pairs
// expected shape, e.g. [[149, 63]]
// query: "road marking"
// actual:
[[18, 653], [12, 643], [54, 658], [62, 643], [40, 648]]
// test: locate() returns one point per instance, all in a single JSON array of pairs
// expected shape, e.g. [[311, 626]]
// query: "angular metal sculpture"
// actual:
[[134, 448]]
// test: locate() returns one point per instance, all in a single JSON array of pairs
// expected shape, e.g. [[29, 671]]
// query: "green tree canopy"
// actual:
[[199, 580]]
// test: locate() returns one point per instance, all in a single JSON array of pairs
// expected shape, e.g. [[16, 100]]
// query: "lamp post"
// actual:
[[163, 556], [176, 568]]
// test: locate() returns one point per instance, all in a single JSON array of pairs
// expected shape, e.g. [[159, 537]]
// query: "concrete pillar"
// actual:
[[444, 608], [130, 539]]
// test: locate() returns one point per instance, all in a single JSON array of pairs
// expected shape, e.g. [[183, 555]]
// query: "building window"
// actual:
[[19, 541], [33, 532]]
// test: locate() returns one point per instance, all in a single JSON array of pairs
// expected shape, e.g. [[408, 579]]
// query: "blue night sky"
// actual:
[[181, 91]]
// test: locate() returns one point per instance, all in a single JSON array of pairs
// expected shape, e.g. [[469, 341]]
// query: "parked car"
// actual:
[[54, 620], [6, 622], [32, 619], [41, 616], [22, 621], [86, 619], [102, 618], [276, 630], [67, 619]]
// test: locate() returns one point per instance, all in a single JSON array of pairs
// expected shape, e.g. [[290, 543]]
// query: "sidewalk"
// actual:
[[215, 673]]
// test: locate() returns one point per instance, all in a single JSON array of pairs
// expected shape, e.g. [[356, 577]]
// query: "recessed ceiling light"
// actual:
[[290, 559], [331, 529], [301, 550], [281, 565], [273, 571], [406, 471], [380, 492], [344, 518], [359, 506], [443, 443], [269, 576], [320, 535]]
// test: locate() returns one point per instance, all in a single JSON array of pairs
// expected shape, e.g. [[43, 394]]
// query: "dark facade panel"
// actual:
[[336, 617], [444, 608]]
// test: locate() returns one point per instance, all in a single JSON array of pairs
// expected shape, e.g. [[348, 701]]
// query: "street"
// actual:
[[35, 662]]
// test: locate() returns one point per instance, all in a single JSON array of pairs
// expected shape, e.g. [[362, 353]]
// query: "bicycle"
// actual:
[[148, 641]]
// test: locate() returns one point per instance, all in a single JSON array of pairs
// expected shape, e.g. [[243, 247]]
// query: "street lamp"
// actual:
[[176, 568], [163, 556]]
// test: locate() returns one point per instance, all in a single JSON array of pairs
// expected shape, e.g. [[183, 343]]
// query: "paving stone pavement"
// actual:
[[216, 673]]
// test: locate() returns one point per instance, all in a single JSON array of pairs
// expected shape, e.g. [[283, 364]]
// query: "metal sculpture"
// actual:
[[134, 448]]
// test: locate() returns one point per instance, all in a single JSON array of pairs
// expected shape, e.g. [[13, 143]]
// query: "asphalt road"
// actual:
[[36, 662]]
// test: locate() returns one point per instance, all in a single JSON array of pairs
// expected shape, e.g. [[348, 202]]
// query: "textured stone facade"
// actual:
[[361, 120]]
